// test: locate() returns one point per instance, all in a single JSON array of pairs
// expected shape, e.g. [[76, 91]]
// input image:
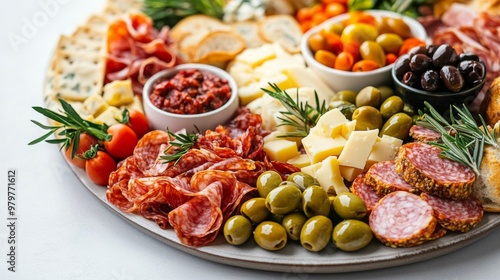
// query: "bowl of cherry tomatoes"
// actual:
[[357, 49]]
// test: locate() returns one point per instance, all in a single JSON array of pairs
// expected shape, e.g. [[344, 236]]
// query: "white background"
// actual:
[[64, 232]]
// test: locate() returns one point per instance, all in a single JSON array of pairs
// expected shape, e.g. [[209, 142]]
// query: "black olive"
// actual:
[[444, 55], [420, 62], [430, 50], [418, 50], [402, 65], [430, 80], [409, 79], [468, 56], [451, 78]]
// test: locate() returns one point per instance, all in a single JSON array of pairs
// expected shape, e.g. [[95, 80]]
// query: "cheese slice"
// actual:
[[385, 148], [329, 177], [312, 169], [348, 128], [304, 77], [281, 150], [358, 148], [300, 161], [256, 56], [330, 124], [318, 147], [350, 173]]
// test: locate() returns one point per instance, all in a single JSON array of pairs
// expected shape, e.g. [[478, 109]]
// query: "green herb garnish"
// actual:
[[180, 145]]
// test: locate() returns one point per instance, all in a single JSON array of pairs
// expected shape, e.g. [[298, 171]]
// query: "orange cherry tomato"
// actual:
[[333, 41], [364, 65], [304, 14], [84, 143], [326, 2], [138, 122], [99, 167], [305, 25], [123, 141], [344, 61], [353, 49], [334, 9], [318, 18], [390, 58], [409, 44], [325, 57]]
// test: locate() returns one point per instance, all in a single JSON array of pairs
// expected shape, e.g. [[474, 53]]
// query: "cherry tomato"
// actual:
[[390, 58], [123, 141], [325, 57], [364, 65], [334, 9], [99, 167], [344, 61], [85, 142], [138, 122]]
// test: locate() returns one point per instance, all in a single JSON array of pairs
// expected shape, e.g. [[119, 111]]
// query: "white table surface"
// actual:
[[64, 232]]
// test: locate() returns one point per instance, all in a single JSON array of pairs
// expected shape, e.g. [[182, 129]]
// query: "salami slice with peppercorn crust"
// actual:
[[382, 177], [423, 134], [403, 219], [422, 166], [365, 192], [457, 215]]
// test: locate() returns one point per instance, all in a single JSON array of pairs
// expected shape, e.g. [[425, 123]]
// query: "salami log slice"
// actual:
[[423, 134], [402, 219], [461, 215], [365, 192], [422, 166], [382, 177]]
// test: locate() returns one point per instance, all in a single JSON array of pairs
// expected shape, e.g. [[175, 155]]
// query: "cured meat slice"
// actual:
[[423, 134], [382, 177], [462, 215], [402, 219], [365, 192], [422, 166]]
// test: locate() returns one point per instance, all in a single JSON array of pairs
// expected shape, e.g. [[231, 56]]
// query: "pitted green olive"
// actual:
[[283, 199], [316, 233], [270, 235], [315, 202], [397, 126], [302, 179], [267, 181], [391, 106], [278, 218], [367, 117], [351, 235], [371, 50], [293, 223], [237, 230], [255, 209], [290, 183], [390, 42], [345, 95], [349, 206], [385, 92], [368, 96]]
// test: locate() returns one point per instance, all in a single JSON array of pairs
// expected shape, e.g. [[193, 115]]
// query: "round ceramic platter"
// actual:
[[295, 259]]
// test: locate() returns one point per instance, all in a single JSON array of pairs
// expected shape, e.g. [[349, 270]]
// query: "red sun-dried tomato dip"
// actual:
[[191, 91]]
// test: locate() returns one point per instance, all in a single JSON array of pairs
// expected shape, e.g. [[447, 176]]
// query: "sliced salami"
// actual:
[[461, 215], [382, 177], [365, 192], [423, 134], [422, 166], [402, 219]]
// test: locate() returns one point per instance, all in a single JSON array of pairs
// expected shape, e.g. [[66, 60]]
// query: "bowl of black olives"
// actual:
[[439, 75]]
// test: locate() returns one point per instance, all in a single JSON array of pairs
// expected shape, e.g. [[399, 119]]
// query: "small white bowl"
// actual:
[[347, 80], [160, 119]]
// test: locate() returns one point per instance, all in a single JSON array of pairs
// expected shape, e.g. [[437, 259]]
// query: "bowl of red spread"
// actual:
[[190, 96]]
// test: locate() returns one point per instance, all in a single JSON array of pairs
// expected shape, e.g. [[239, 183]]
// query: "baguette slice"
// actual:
[[491, 103], [249, 30], [283, 29], [219, 46], [487, 185]]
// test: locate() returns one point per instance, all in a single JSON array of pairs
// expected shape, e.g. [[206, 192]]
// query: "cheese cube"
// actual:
[[358, 148], [119, 93], [330, 124], [135, 105], [304, 77], [300, 161], [385, 148], [281, 80], [348, 128], [312, 169], [350, 173], [95, 104], [329, 177], [256, 56], [277, 135], [281, 150], [249, 92], [110, 116], [318, 148]]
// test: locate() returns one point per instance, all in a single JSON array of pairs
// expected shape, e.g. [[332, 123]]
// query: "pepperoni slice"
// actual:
[[382, 177], [462, 215], [402, 219], [365, 192]]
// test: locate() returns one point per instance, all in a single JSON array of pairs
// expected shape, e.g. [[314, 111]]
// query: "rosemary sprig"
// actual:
[[462, 139], [181, 144], [298, 114], [70, 128]]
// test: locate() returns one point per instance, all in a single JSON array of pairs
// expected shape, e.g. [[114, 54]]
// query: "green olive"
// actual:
[[351, 235], [367, 117], [346, 108], [397, 126], [391, 106], [302, 179], [408, 109], [255, 209], [278, 218], [349, 206], [293, 223], [345, 95], [390, 42], [371, 50], [290, 183], [270, 235], [385, 92], [336, 28], [399, 26], [237, 230], [315, 202], [368, 96], [267, 181], [358, 33], [283, 199], [316, 233]]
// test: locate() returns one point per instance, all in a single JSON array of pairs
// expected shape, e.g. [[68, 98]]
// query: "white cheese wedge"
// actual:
[[350, 173], [331, 124], [119, 92], [358, 148], [329, 177], [95, 104], [300, 161], [318, 148], [385, 148], [312, 169], [281, 150]]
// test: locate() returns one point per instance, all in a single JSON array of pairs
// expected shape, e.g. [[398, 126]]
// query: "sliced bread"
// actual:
[[219, 46], [283, 29], [487, 185]]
